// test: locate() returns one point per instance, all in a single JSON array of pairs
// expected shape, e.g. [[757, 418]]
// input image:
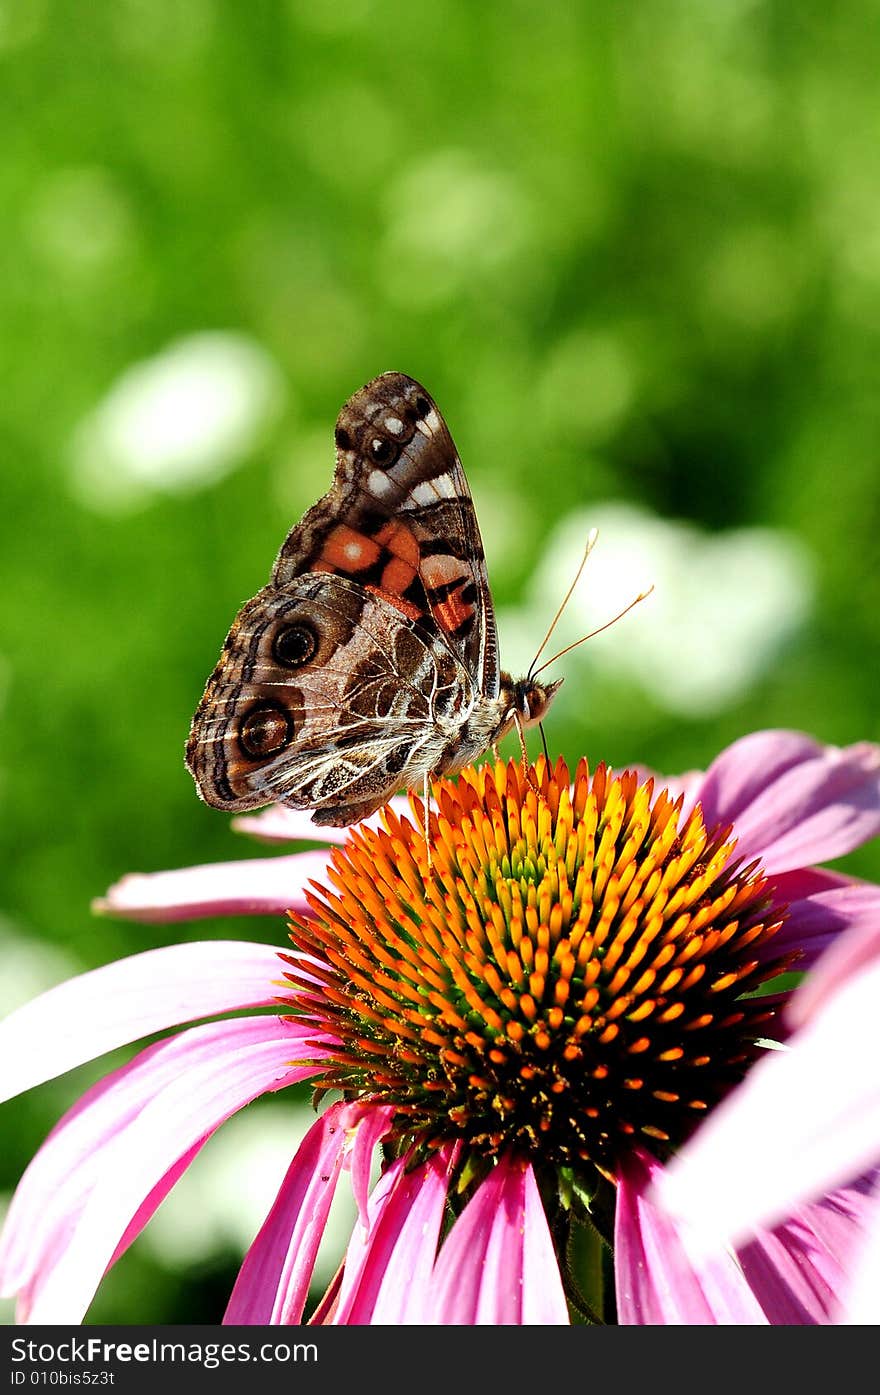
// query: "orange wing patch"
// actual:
[[407, 608], [347, 550], [446, 583], [453, 611], [397, 576], [397, 539], [400, 571]]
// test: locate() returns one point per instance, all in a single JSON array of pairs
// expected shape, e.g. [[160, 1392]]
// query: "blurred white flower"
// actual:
[[177, 421], [723, 604]]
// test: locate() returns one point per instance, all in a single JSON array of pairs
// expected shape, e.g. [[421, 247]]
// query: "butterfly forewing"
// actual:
[[400, 520]]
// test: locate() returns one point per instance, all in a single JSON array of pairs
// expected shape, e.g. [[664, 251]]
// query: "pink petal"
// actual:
[[543, 1297], [384, 1197], [799, 1270], [61, 1175], [659, 1276], [851, 954], [860, 1293], [804, 1120], [743, 772], [389, 1261], [273, 1282], [793, 802], [108, 1007], [373, 1126], [278, 824], [115, 1149], [403, 1293], [253, 886], [57, 1242], [481, 1276], [821, 906]]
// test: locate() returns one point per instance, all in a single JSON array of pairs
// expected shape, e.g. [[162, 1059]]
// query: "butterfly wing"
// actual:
[[377, 622], [399, 519], [325, 698]]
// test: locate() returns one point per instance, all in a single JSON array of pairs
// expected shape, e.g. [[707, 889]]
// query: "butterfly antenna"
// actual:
[[583, 639], [591, 543]]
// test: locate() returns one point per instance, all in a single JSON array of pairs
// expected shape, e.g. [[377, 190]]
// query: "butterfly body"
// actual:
[[370, 661]]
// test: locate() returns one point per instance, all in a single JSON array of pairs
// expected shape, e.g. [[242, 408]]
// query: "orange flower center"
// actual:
[[568, 973]]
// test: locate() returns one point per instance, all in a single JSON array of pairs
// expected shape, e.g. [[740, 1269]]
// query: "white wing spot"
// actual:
[[424, 493], [443, 487], [394, 425], [429, 424], [378, 483]]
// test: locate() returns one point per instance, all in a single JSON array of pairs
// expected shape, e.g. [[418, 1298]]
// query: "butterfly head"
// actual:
[[528, 697]]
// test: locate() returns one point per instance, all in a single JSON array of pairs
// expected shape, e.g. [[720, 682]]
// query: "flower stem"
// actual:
[[584, 1271]]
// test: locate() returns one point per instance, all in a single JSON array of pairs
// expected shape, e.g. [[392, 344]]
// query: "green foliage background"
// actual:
[[472, 194]]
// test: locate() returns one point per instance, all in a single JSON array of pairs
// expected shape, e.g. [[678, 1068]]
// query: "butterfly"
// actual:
[[370, 661]]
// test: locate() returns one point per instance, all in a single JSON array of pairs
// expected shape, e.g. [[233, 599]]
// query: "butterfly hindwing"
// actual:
[[323, 695]]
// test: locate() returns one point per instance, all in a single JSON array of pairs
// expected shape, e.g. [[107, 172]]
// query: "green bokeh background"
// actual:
[[473, 195]]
